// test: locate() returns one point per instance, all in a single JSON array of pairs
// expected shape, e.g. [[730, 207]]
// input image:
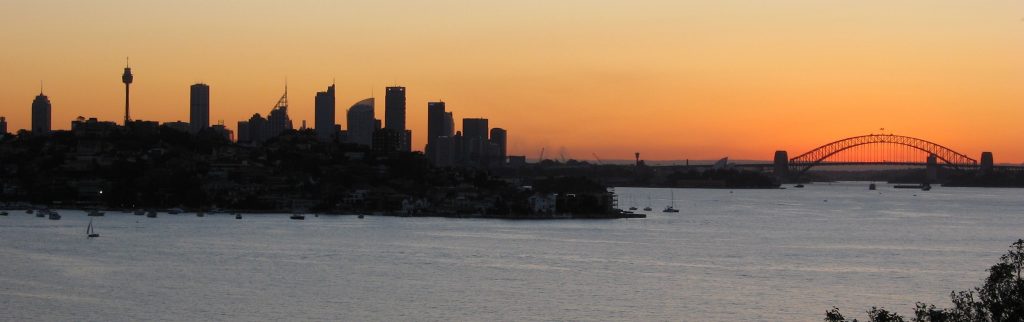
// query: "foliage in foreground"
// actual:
[[1000, 299]]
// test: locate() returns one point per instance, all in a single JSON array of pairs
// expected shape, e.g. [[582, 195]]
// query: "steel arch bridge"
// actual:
[[884, 149]]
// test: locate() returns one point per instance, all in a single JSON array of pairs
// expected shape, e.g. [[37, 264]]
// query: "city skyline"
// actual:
[[629, 77]]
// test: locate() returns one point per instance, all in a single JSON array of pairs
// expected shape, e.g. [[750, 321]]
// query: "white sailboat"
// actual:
[[90, 232], [672, 207]]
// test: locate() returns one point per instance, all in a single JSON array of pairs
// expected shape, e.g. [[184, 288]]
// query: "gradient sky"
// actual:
[[671, 79]]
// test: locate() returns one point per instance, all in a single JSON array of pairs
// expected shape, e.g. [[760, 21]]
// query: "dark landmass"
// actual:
[[119, 168], [641, 175]]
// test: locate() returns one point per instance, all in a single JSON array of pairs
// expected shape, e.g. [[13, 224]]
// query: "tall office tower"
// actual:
[[41, 112], [199, 107], [474, 128], [499, 140], [3, 125], [474, 140], [449, 124], [394, 108], [277, 120], [361, 122], [127, 79], [435, 128], [324, 114]]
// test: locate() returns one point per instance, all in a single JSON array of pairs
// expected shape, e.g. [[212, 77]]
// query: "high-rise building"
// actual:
[[449, 124], [361, 122], [127, 79], [499, 141], [394, 108], [435, 128], [199, 107], [324, 114], [3, 125], [474, 140], [278, 121], [41, 112]]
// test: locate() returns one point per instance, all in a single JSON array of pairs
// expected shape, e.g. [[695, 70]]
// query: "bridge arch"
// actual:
[[944, 156]]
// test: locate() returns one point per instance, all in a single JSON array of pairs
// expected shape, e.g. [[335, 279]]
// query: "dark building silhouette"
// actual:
[[474, 140], [499, 146], [3, 125], [437, 127], [127, 79], [361, 122], [199, 107], [184, 127], [394, 114], [259, 129], [223, 131], [394, 108], [388, 140], [324, 115], [41, 113]]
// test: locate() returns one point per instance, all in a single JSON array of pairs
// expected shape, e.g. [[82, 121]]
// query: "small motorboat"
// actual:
[[238, 216], [926, 187], [54, 215], [175, 211], [95, 213], [298, 217], [798, 186], [632, 208], [670, 209], [200, 214], [29, 211], [140, 212], [151, 214], [648, 208], [872, 187], [3, 213], [360, 216]]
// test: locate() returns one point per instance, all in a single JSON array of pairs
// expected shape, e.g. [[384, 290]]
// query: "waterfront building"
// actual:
[[41, 113], [199, 107], [324, 119], [361, 122], [3, 125]]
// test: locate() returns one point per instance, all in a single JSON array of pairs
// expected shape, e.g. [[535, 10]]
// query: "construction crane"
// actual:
[[598, 159], [541, 158]]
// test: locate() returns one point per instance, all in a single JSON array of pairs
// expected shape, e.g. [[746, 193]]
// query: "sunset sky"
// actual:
[[670, 79]]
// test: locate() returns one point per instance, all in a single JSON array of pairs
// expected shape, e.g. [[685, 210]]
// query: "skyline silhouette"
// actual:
[[674, 80]]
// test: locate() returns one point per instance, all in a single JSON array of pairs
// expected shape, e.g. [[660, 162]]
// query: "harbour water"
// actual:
[[741, 255]]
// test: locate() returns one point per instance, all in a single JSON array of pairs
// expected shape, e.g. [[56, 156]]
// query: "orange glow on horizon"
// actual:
[[671, 79]]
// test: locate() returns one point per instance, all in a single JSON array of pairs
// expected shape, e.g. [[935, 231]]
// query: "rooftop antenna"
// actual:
[[40, 87]]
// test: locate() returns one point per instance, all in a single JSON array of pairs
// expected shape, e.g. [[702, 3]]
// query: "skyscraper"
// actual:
[[127, 79], [499, 141], [435, 127], [41, 111], [324, 114], [394, 115], [3, 125], [474, 140], [361, 122], [199, 107], [278, 120], [394, 108]]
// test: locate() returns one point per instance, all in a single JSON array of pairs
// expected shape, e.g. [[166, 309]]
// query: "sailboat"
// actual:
[[89, 232], [648, 208], [672, 207]]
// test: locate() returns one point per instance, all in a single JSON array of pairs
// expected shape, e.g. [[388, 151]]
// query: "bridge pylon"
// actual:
[[782, 165], [987, 162]]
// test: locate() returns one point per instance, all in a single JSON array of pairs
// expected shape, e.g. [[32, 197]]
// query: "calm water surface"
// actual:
[[757, 255]]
